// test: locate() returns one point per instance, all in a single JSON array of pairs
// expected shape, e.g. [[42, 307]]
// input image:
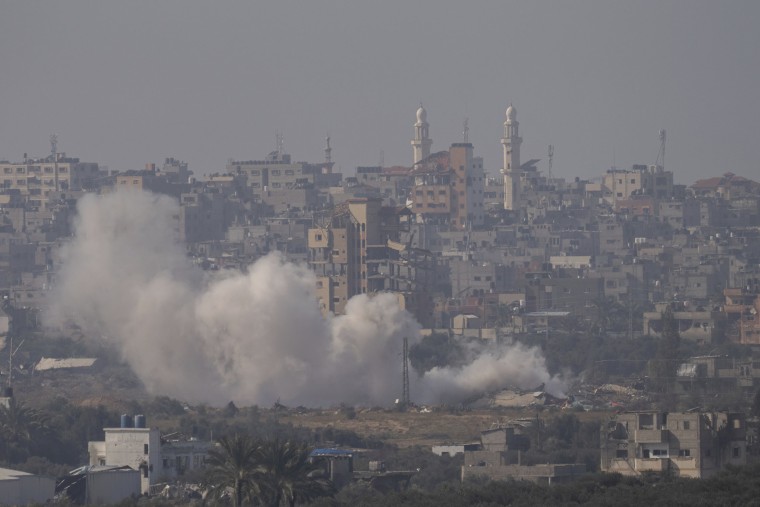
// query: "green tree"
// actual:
[[287, 474], [234, 464], [667, 357], [23, 430]]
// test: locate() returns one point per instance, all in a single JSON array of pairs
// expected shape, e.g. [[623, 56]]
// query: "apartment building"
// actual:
[[35, 179], [686, 444]]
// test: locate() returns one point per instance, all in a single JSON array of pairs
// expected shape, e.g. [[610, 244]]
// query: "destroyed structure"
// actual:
[[499, 458]]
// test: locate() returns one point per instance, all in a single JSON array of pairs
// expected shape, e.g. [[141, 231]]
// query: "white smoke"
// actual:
[[252, 337]]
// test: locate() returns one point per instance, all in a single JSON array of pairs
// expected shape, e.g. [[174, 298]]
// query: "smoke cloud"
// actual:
[[253, 337]]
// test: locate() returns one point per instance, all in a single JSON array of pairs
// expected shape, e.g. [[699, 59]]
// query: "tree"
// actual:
[[22, 429], [235, 464], [287, 474], [668, 351]]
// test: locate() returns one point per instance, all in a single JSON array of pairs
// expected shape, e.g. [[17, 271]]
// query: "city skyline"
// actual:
[[133, 84]]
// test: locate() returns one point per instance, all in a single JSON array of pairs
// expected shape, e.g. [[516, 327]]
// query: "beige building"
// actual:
[[35, 179], [356, 251], [652, 181], [499, 458], [686, 444], [449, 188]]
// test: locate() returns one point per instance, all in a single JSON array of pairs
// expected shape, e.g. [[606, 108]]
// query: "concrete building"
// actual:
[[278, 172], [35, 179], [641, 180], [703, 326], [143, 449], [135, 446], [21, 488], [499, 459], [448, 188], [742, 308], [687, 444]]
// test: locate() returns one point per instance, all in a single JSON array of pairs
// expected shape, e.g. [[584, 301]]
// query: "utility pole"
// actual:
[[405, 398]]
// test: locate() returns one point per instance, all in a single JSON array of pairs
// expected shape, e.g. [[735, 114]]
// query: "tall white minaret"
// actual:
[[421, 142], [511, 143]]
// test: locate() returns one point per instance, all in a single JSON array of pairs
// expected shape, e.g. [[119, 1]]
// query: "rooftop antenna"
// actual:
[[54, 155], [53, 145], [280, 140], [551, 159], [328, 150], [382, 158], [661, 155], [466, 130], [405, 398]]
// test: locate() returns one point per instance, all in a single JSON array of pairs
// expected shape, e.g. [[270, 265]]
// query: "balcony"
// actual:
[[651, 436], [651, 464]]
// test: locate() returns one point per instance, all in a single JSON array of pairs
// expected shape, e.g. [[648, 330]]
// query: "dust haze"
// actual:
[[253, 337]]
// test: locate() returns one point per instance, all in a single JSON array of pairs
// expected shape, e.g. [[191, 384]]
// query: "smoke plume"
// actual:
[[252, 337]]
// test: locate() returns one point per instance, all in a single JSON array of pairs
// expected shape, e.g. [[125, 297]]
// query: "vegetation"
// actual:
[[268, 472], [736, 486]]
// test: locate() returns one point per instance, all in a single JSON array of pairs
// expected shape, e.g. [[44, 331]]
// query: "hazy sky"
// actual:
[[125, 83]]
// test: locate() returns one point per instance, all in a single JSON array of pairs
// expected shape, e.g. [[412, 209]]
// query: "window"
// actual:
[[318, 237], [275, 172], [145, 448], [684, 453], [737, 424], [687, 425], [736, 452], [660, 453]]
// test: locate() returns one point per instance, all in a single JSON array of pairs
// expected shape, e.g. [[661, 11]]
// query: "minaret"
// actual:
[[511, 143], [421, 142]]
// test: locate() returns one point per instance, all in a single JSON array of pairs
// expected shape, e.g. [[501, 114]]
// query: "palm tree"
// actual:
[[287, 474], [21, 428], [234, 464]]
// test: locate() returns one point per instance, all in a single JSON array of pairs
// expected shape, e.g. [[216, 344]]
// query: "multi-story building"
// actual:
[[356, 251], [277, 172], [686, 444], [641, 180], [143, 449], [35, 179]]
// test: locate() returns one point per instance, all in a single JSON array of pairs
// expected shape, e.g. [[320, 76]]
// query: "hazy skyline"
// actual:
[[123, 84]]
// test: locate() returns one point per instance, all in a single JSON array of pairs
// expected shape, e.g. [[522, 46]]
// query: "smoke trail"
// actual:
[[253, 337]]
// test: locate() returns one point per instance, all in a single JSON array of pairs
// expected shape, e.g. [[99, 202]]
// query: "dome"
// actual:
[[511, 112], [421, 114]]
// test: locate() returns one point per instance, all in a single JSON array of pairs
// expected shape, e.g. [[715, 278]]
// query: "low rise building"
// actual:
[[686, 444]]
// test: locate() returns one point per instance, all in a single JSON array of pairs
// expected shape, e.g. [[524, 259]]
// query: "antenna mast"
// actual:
[[328, 150], [405, 399], [54, 155], [661, 155], [551, 159], [466, 130], [280, 139]]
